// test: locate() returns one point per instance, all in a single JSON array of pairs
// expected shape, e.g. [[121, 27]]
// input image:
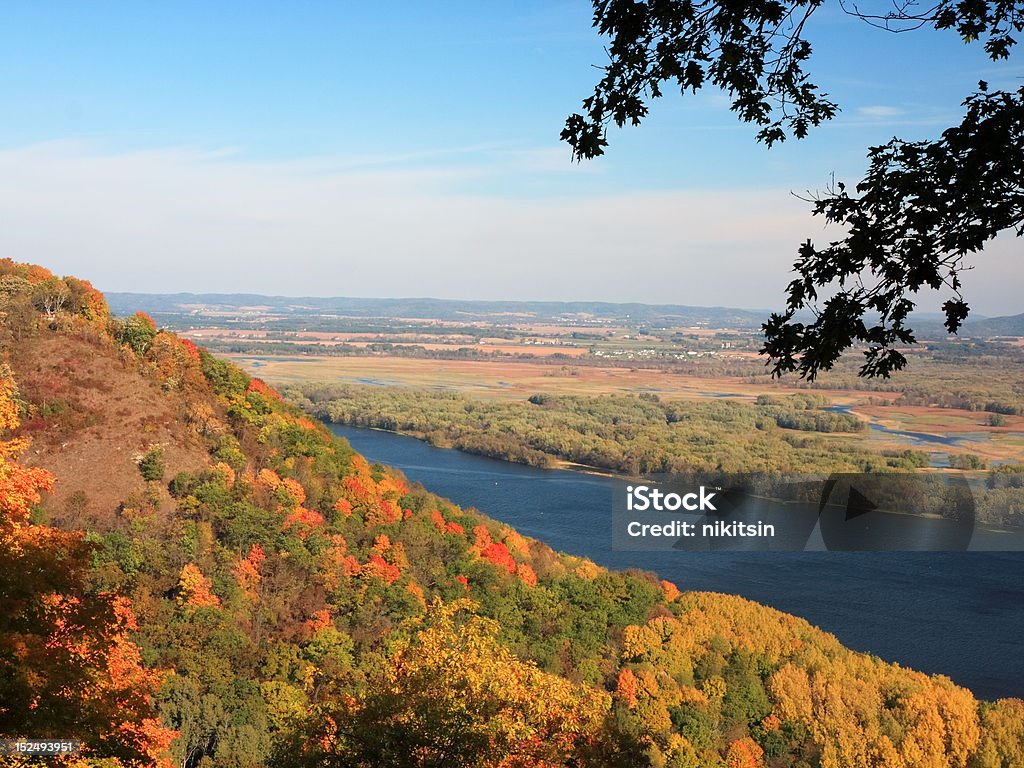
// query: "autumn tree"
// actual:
[[923, 206], [20, 486], [138, 332], [452, 695], [51, 296], [1003, 742]]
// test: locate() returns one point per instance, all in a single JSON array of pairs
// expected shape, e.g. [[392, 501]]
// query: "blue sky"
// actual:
[[411, 149]]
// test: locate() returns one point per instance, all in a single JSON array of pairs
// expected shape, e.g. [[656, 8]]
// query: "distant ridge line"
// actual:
[[423, 307], [927, 325]]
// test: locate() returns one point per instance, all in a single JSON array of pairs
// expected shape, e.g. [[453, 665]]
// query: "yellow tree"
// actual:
[[452, 695], [1002, 745]]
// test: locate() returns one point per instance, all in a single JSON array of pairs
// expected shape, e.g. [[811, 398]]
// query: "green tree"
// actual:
[[138, 332], [152, 464], [920, 210]]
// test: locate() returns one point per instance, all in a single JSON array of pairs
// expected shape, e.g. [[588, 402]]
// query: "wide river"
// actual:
[[958, 614]]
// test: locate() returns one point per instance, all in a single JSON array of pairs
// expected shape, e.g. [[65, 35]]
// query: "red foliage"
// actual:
[[498, 554], [318, 621], [20, 487], [190, 349], [445, 527], [91, 304], [356, 490], [65, 651], [337, 565], [304, 520], [147, 319], [261, 387], [73, 662], [34, 273], [463, 581], [378, 566], [152, 740], [392, 487], [376, 499], [388, 512]]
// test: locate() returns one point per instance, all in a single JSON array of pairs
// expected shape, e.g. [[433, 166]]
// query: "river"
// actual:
[[957, 614]]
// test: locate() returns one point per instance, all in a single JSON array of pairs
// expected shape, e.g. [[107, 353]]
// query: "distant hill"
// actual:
[[436, 309], [981, 328], [1010, 325], [240, 306]]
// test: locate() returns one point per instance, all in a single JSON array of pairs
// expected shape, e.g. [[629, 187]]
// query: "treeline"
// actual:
[[806, 412], [635, 435], [979, 378], [373, 349], [313, 323]]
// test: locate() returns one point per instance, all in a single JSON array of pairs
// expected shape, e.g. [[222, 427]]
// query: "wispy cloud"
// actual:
[[181, 219], [879, 111]]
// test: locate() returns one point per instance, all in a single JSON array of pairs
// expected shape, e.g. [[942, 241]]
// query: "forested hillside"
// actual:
[[215, 580]]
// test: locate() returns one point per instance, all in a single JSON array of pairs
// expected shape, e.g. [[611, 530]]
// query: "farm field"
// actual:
[[501, 380]]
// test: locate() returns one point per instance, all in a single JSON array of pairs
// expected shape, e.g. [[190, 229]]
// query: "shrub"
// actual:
[[152, 464]]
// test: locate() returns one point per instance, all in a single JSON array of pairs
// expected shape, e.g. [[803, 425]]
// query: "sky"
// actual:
[[411, 149]]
